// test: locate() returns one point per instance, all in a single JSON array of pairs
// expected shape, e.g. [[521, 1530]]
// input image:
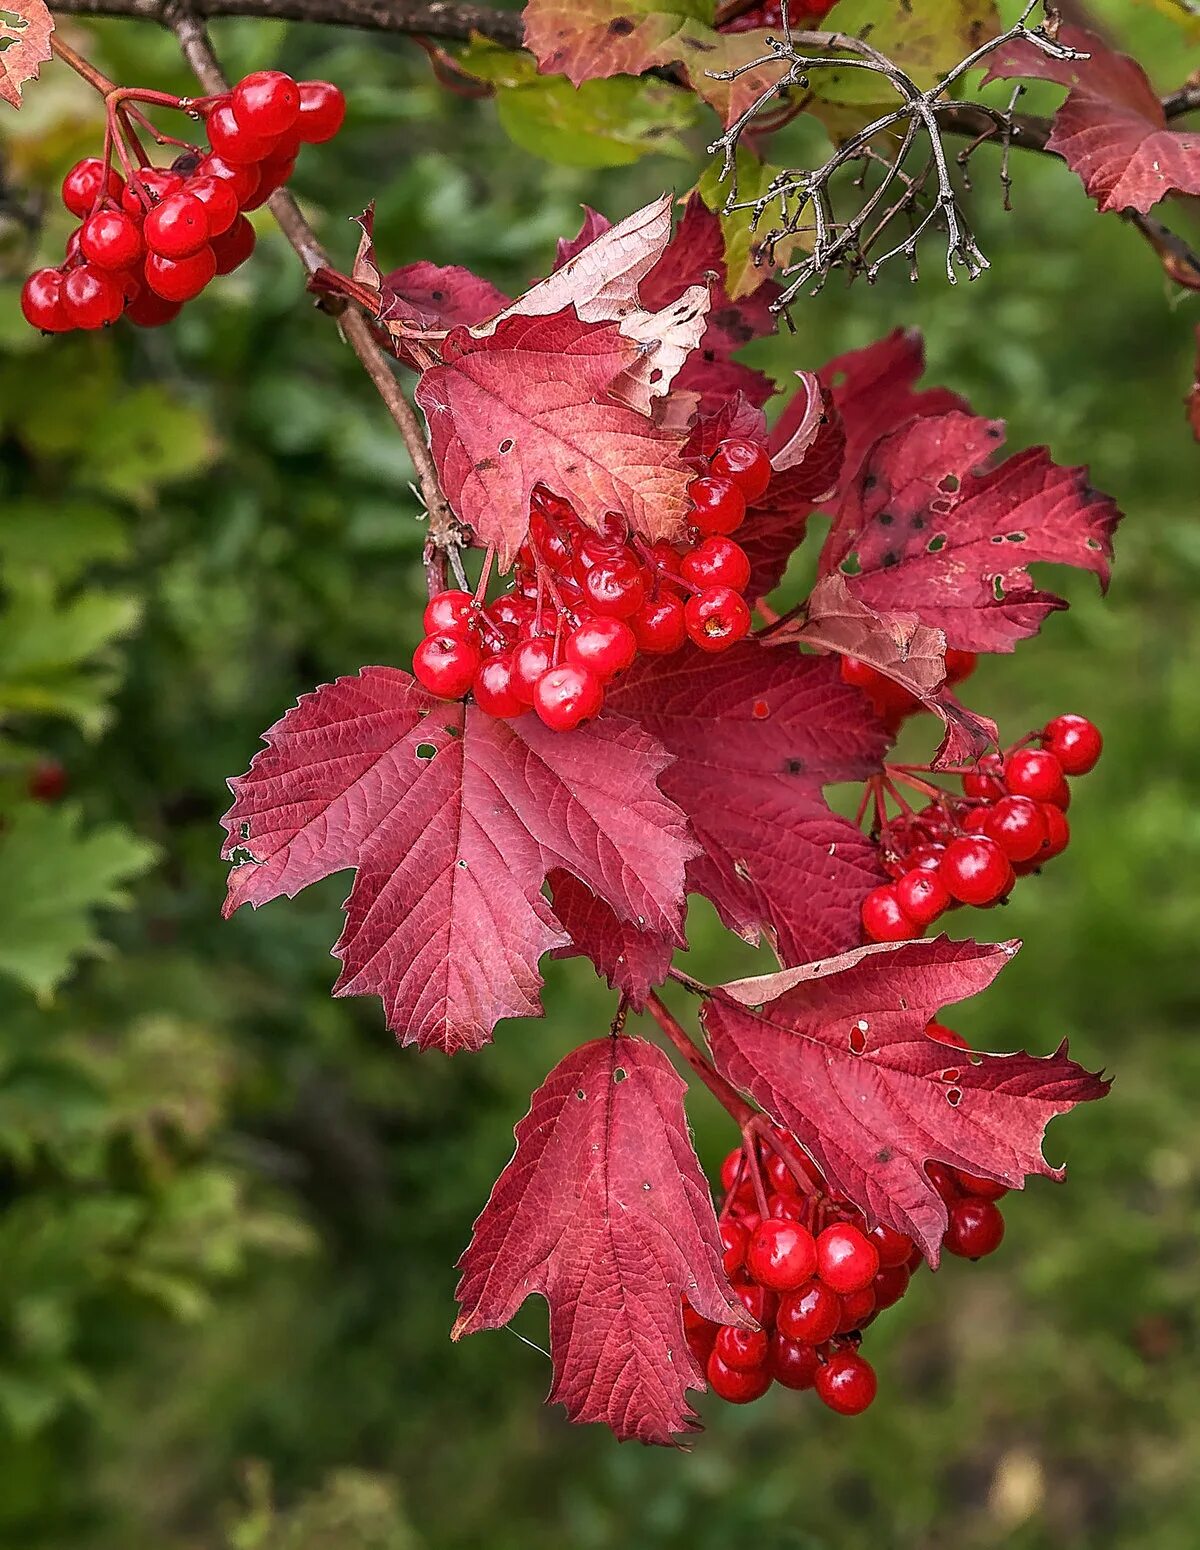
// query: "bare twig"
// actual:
[[727, 1096]]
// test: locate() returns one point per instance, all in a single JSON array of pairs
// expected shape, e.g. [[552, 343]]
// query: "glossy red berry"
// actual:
[[1033, 772], [42, 303], [156, 183], [110, 239], [720, 507], [567, 695], [493, 688], [606, 645], [781, 1254], [890, 1284], [858, 1309], [179, 279], [734, 1239], [267, 103], [92, 297], [922, 895], [1017, 826], [741, 1347], [233, 141], [531, 659], [976, 1184], [659, 626], [242, 179], [322, 111], [985, 784], [959, 665], [976, 1227], [1074, 741], [716, 562], [87, 181], [892, 1247], [846, 1259], [233, 247], [616, 587], [758, 1301], [975, 870], [738, 1385], [450, 613], [716, 618], [47, 781], [811, 1313], [883, 916], [732, 1169], [846, 1383], [178, 227], [219, 199], [446, 665], [148, 310], [945, 1035], [792, 1363], [745, 464], [1058, 832]]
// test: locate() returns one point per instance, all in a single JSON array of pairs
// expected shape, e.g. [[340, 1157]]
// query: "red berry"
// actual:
[[85, 184], [605, 645], [922, 895], [242, 179], [91, 297], [1017, 826], [892, 1247], [811, 1313], [446, 665], [738, 1385], [781, 1254], [716, 562], [743, 462], [273, 173], [322, 111], [857, 1309], [982, 783], [720, 505], [47, 781], [449, 613], [659, 626], [976, 1227], [110, 239], [1058, 832], [941, 1176], [219, 199], [716, 618], [234, 247], [793, 1363], [493, 688], [890, 1284], [757, 1300], [42, 303], [741, 1347], [178, 227], [232, 140], [531, 659], [1032, 772], [157, 183], [267, 103], [734, 1239], [846, 1260], [975, 870], [615, 586], [732, 1168], [789, 1208], [567, 695], [700, 1334], [150, 311], [883, 918], [846, 1383], [179, 279], [959, 664], [945, 1035], [976, 1184], [1074, 741]]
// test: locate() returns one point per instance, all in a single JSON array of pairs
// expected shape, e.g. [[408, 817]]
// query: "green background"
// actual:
[[230, 1207]]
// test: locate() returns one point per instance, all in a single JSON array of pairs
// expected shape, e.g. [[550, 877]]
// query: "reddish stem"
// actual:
[[726, 1095]]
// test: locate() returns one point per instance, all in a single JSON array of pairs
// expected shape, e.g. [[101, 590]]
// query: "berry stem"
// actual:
[[763, 1129], [727, 1096]]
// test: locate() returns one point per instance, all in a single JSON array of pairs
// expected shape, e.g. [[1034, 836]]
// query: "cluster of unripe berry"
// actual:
[[813, 1276], [970, 849], [582, 605], [153, 240]]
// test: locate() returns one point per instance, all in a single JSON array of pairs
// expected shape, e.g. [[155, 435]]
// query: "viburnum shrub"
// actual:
[[606, 714]]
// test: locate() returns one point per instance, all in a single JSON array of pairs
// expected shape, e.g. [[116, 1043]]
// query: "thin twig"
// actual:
[[725, 1094]]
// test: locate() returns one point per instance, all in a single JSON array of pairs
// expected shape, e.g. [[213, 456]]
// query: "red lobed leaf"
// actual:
[[452, 821], [439, 296], [837, 1052], [1111, 129], [604, 1212], [525, 406], [25, 29], [923, 531], [632, 961], [755, 734]]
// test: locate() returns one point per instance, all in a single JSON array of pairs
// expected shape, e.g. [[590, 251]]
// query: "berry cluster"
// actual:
[[581, 605], [970, 849], [893, 703], [814, 1276], [153, 239]]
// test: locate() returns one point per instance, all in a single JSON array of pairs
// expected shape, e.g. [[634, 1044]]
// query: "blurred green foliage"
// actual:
[[229, 1207]]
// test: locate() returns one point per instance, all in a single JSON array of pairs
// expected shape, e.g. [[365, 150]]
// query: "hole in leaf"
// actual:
[[760, 710], [997, 538], [645, 1183], [580, 1094], [620, 1074], [858, 1041], [954, 1096], [461, 864], [998, 588], [507, 444], [1094, 543], [850, 565], [1016, 538], [936, 543], [425, 752], [948, 484], [951, 1075], [244, 829]]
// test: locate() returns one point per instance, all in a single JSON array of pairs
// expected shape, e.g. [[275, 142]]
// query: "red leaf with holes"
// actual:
[[452, 821], [755, 734], [632, 961], [1112, 129], [25, 28], [928, 529], [604, 1212], [439, 296], [528, 405], [837, 1052]]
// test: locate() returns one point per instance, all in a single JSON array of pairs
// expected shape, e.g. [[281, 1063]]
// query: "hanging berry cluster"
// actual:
[[812, 1274], [582, 605], [1009, 821], [153, 238]]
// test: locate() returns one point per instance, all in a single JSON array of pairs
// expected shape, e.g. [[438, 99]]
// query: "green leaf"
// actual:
[[610, 123], [53, 876], [144, 440], [60, 539], [54, 655], [742, 239], [926, 40]]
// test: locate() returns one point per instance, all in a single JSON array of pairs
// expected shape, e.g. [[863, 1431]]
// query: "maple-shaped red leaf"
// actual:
[[755, 734], [527, 405], [632, 961], [452, 821], [25, 28], [837, 1051], [923, 531], [1112, 129], [604, 1212]]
